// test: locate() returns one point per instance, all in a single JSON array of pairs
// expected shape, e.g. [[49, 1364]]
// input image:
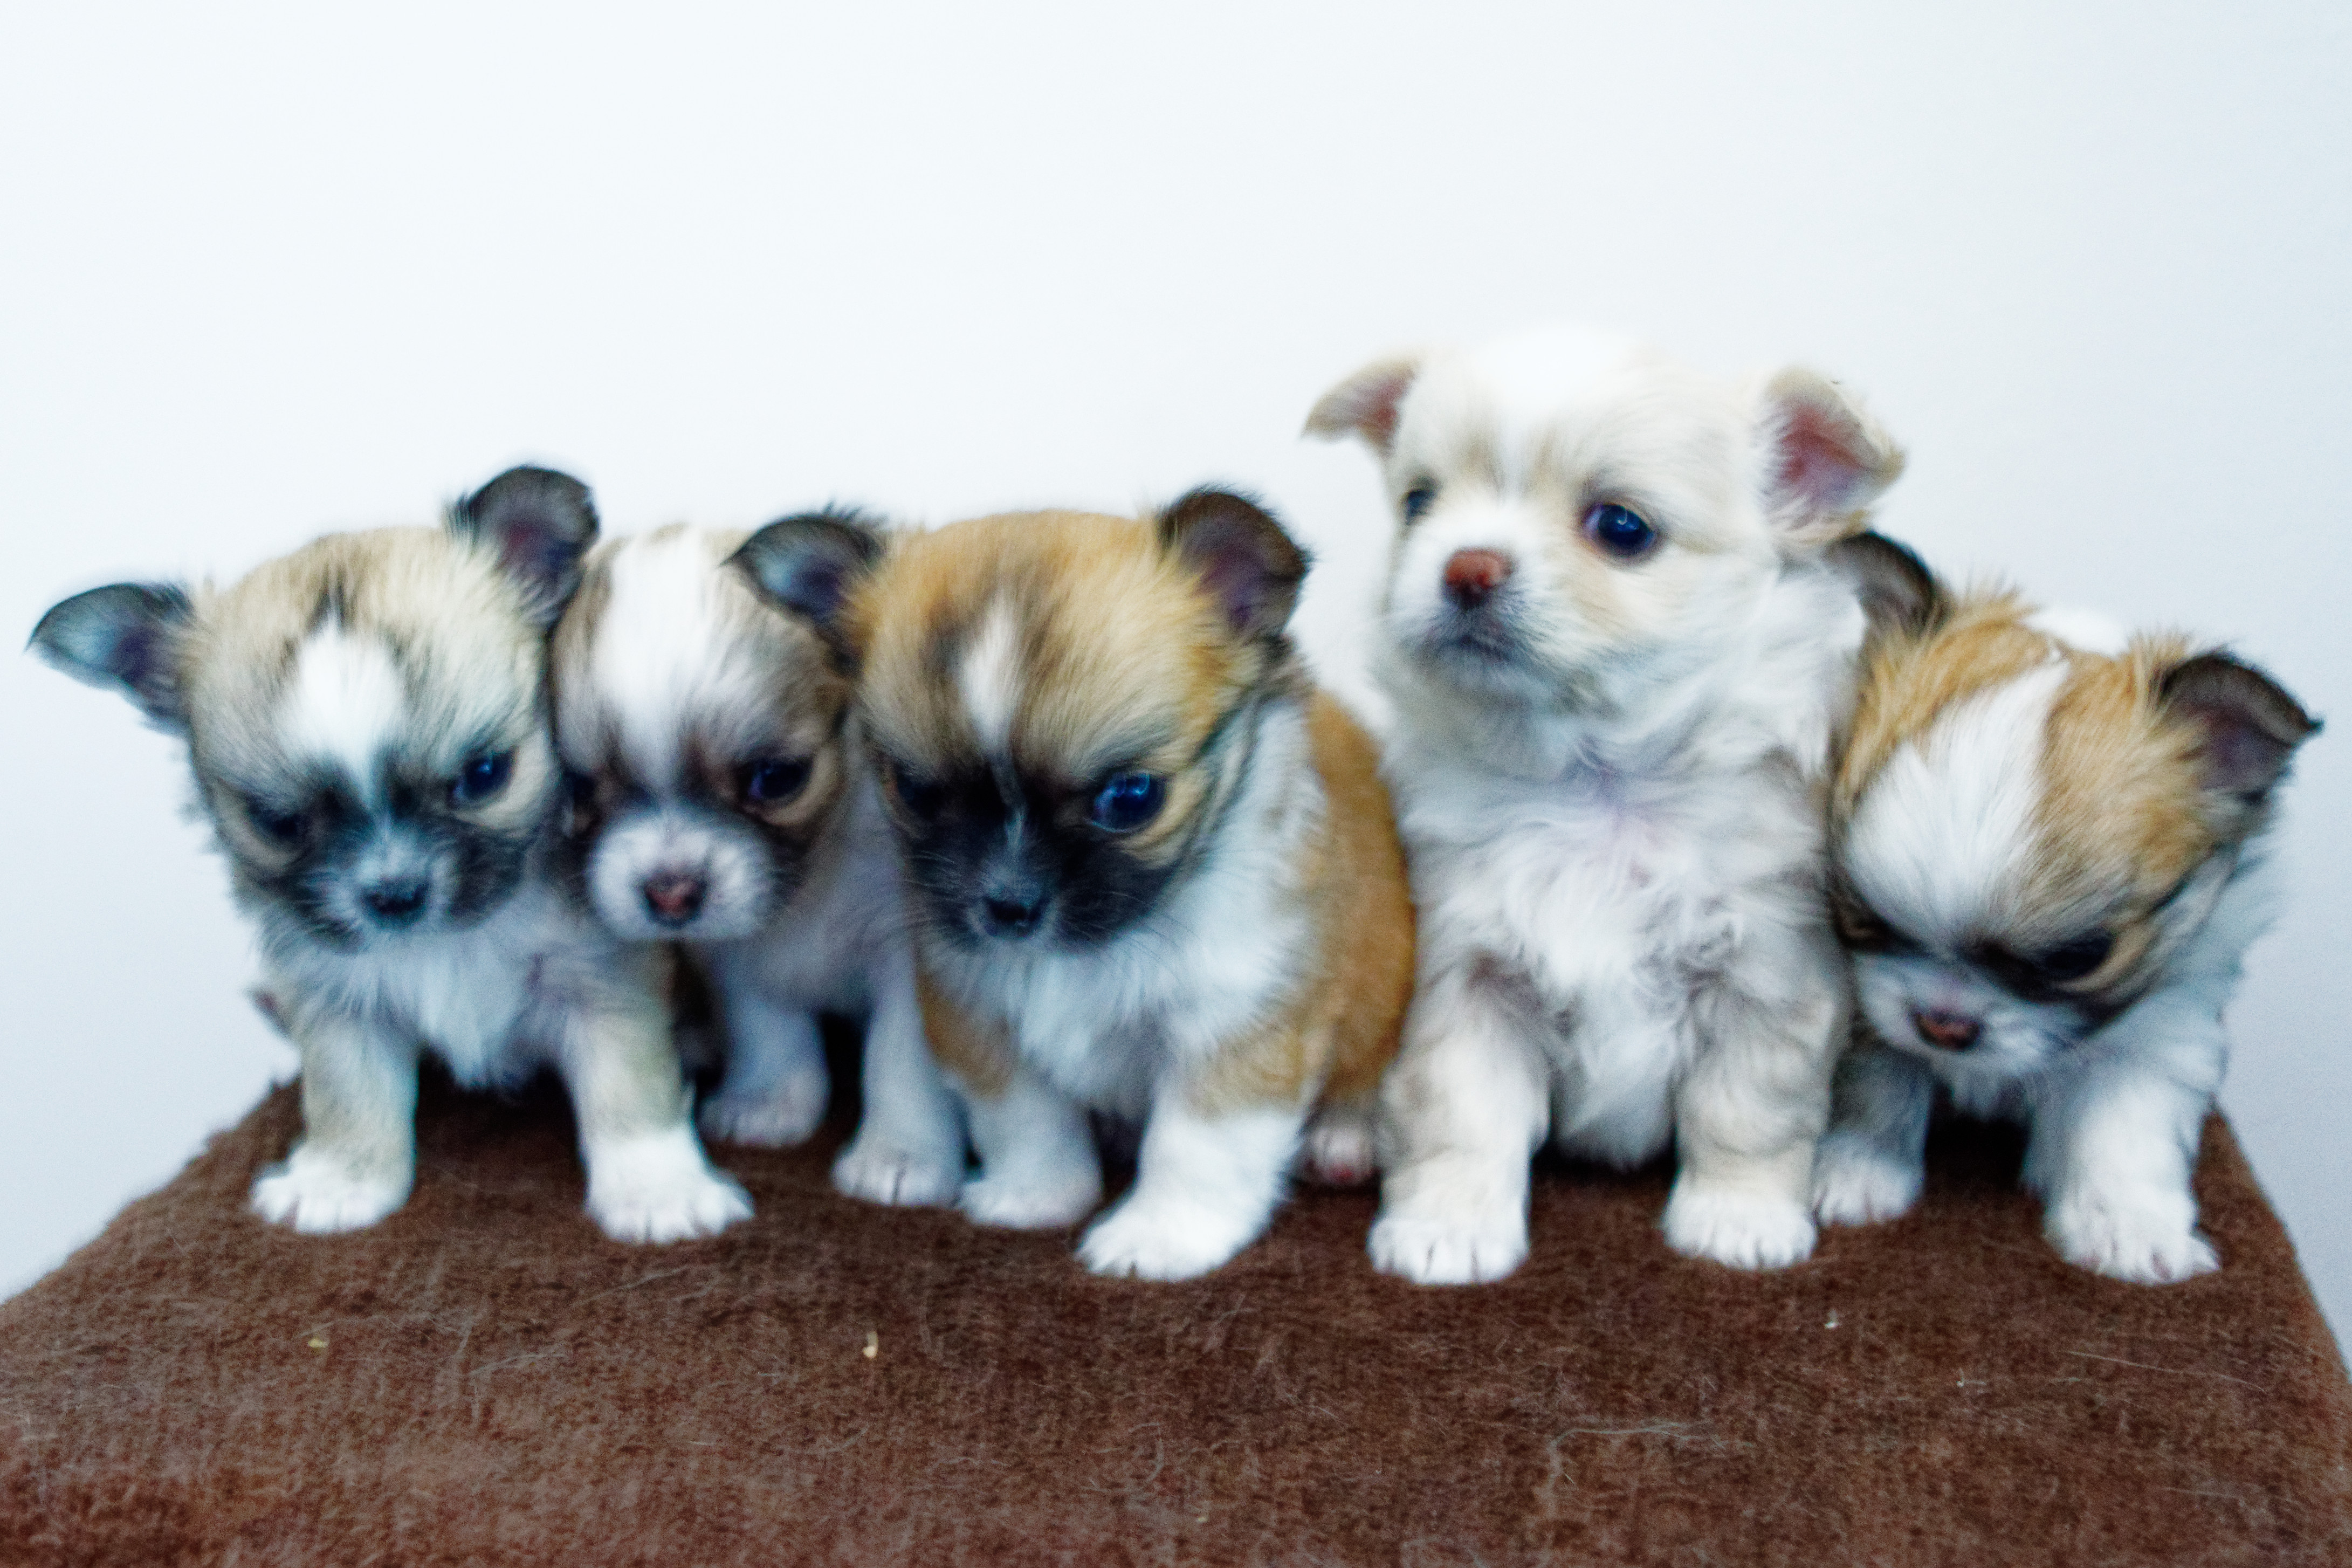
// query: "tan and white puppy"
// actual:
[[1616, 656], [1152, 869], [721, 797], [367, 722], [2050, 843]]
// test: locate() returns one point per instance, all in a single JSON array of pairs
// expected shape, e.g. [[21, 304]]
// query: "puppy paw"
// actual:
[[1740, 1227], [768, 1116], [1857, 1181], [1028, 1201], [873, 1171], [1338, 1148], [660, 1188], [1162, 1241], [2147, 1241], [1463, 1250], [318, 1194]]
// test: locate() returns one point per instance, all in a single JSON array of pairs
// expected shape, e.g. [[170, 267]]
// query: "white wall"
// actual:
[[267, 272]]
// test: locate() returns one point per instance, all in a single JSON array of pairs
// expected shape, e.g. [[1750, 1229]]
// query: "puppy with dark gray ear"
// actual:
[[722, 798], [1153, 871], [367, 722], [2051, 845]]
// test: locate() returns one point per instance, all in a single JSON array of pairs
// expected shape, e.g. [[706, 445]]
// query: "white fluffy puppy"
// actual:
[[720, 797], [1616, 658]]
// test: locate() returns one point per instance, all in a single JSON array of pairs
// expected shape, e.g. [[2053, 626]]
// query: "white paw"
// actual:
[[1029, 1201], [1162, 1241], [873, 1171], [660, 1188], [1740, 1227], [1463, 1250], [2149, 1240], [315, 1193], [769, 1116], [1857, 1181], [1339, 1149]]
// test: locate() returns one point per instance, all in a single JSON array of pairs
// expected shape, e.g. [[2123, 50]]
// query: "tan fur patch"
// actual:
[[977, 1051]]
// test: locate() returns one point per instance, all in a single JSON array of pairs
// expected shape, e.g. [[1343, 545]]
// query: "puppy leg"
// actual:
[[356, 1159], [1467, 1102], [647, 1178], [774, 1092], [1205, 1184], [1038, 1168], [1872, 1162], [2112, 1154], [1340, 1143], [909, 1142], [1747, 1116]]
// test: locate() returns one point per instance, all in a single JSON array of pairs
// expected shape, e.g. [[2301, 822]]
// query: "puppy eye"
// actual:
[[481, 778], [1621, 531], [922, 798], [283, 828], [1418, 500], [1126, 802], [2073, 960], [772, 779]]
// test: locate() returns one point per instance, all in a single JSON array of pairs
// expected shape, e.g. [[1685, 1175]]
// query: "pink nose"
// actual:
[[1947, 1031], [1473, 575], [672, 896]]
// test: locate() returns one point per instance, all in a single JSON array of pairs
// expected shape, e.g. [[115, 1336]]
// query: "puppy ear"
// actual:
[[807, 566], [1825, 459], [540, 524], [129, 636], [1899, 595], [1365, 405], [2251, 726], [1241, 553]]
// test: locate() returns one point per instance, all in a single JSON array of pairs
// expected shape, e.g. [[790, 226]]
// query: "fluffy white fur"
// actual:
[[1612, 824]]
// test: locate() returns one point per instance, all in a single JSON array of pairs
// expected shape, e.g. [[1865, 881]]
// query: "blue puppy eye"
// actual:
[[1418, 499], [481, 778], [2075, 959], [1621, 531], [1126, 802], [922, 798], [774, 780], [283, 828]]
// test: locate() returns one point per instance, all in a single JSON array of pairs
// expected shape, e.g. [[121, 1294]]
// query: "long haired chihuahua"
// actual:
[[1616, 658], [1152, 869], [2049, 859], [721, 798], [367, 722]]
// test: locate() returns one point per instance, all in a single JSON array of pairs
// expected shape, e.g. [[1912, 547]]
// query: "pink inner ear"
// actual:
[[1371, 405], [1818, 465]]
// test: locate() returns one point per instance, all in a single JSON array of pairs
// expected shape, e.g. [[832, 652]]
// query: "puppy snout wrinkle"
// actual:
[[1473, 576], [1947, 1031], [674, 897]]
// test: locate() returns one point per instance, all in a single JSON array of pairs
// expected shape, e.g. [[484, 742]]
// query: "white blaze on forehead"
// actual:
[[345, 703], [1945, 830], [989, 678], [654, 646], [2085, 631]]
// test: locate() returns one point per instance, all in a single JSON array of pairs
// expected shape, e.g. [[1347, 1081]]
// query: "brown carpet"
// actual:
[[483, 1379]]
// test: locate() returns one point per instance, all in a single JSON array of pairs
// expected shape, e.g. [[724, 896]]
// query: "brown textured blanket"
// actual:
[[483, 1378]]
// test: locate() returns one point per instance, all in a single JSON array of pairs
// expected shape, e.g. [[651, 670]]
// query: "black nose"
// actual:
[[674, 897], [1015, 916], [396, 901]]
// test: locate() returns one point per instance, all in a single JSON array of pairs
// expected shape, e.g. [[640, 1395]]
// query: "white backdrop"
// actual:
[[268, 271]]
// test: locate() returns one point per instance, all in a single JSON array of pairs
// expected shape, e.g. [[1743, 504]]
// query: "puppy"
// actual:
[[367, 723], [2049, 846], [721, 798], [1152, 869], [1616, 656]]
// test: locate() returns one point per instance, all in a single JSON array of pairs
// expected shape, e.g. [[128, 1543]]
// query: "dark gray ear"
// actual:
[[1242, 553], [1899, 594], [807, 564], [540, 524], [2252, 726], [127, 636]]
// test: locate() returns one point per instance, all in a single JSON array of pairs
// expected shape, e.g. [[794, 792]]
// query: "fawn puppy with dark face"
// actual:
[[1151, 867], [367, 723], [2050, 843], [721, 797], [1616, 656]]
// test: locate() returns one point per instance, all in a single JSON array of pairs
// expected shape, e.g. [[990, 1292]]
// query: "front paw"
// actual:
[[1160, 1241], [1338, 1148], [1464, 1248], [2147, 1240], [1029, 1201], [1859, 1182], [1740, 1227], [660, 1188], [315, 1193], [767, 1116], [873, 1171]]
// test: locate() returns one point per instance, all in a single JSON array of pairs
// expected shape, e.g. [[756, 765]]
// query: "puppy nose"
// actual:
[[1948, 1031], [1016, 915], [396, 900], [1473, 575], [672, 896]]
